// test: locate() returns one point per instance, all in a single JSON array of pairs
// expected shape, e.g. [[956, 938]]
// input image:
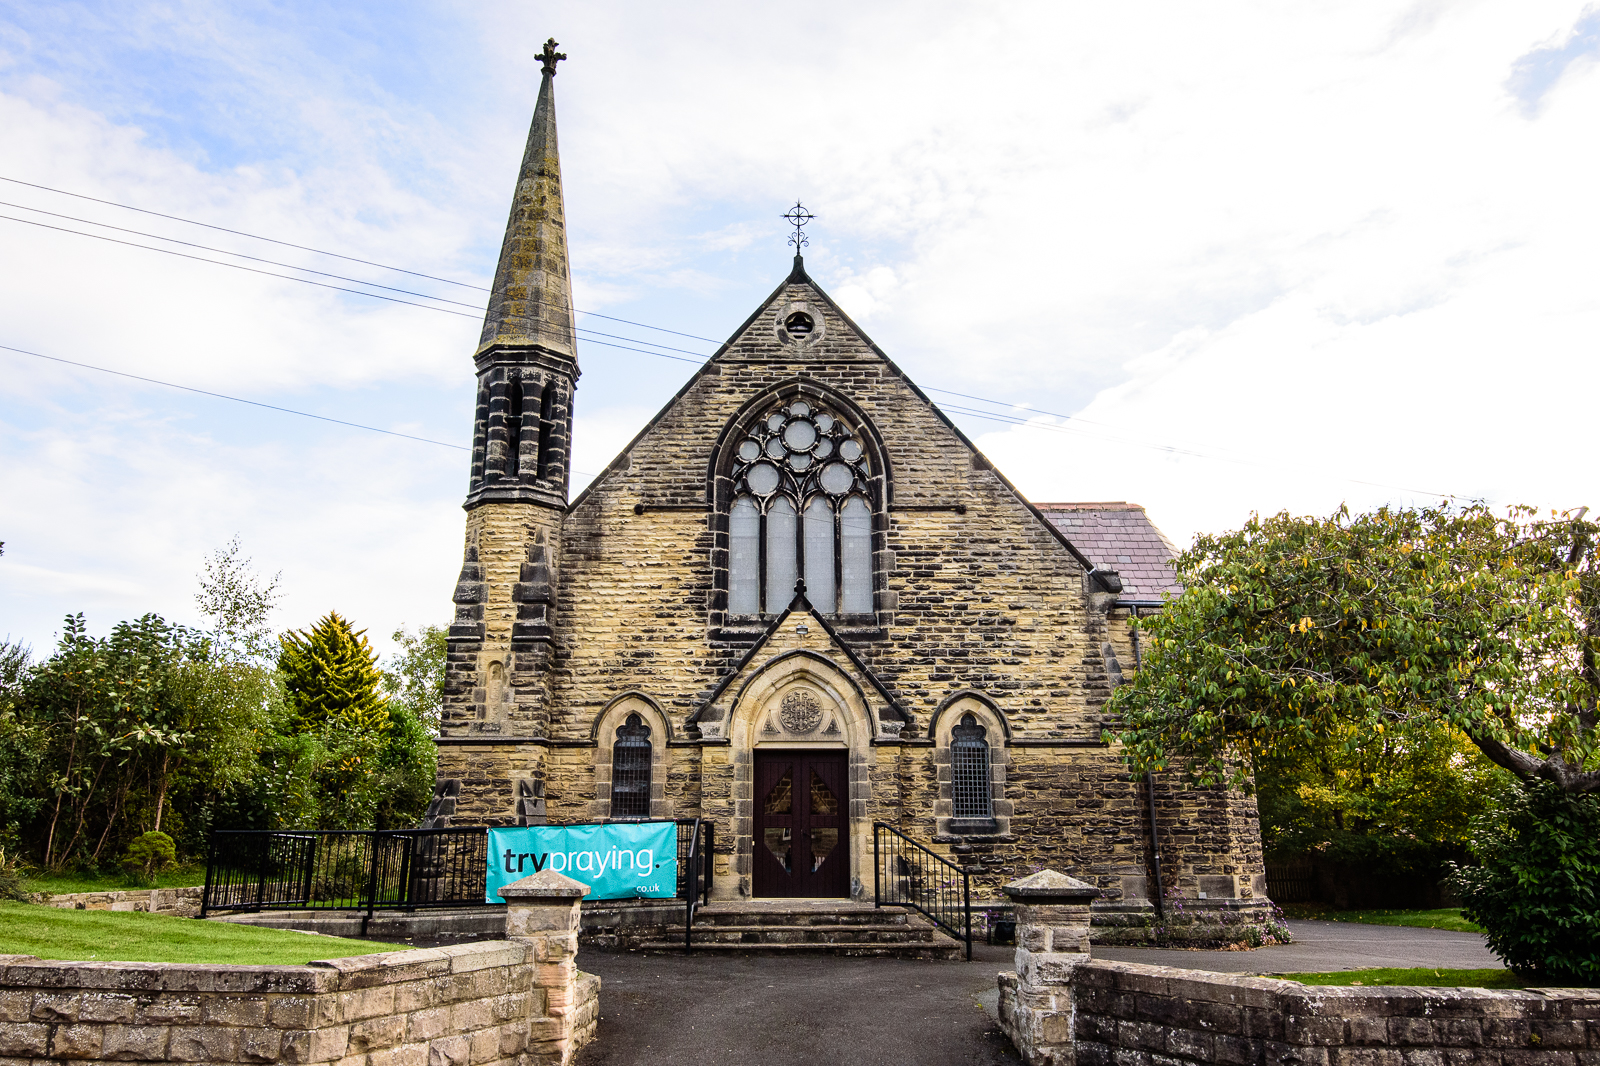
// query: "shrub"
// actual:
[[148, 854], [1536, 891], [13, 884]]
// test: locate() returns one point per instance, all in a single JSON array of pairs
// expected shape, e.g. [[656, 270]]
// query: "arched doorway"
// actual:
[[802, 825]]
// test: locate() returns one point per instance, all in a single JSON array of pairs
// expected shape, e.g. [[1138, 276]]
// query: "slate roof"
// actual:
[[1119, 536]]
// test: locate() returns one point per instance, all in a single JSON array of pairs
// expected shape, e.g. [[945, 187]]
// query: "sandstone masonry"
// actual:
[[969, 610], [517, 1002], [1060, 1008]]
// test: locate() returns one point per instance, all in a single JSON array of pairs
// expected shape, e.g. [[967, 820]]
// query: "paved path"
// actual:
[[1323, 946], [668, 1010]]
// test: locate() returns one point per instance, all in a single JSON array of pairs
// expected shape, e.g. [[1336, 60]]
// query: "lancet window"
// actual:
[[970, 791], [802, 507], [630, 770]]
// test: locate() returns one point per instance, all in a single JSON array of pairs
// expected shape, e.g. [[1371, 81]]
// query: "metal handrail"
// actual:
[[910, 883], [698, 883]]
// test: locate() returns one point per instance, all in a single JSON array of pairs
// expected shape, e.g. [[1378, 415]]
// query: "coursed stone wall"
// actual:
[[175, 902], [1130, 1014], [1062, 1008], [515, 1002]]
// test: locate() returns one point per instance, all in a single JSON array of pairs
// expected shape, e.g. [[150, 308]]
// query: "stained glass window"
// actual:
[[802, 507]]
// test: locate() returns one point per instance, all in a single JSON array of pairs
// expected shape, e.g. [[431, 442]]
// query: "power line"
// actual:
[[292, 266], [337, 288], [335, 255], [235, 399], [1004, 419], [221, 251], [700, 359]]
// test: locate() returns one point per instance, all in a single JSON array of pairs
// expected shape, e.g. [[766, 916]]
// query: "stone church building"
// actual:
[[799, 602]]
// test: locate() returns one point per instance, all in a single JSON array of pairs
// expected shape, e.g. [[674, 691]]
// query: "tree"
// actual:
[[117, 721], [1536, 890], [22, 795], [414, 685], [1292, 629], [415, 675], [238, 602], [342, 723], [1394, 803]]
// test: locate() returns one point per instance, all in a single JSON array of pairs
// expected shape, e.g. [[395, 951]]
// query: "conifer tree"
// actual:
[[332, 679]]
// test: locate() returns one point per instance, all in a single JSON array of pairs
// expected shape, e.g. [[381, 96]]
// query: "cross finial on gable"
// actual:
[[798, 217], [550, 57]]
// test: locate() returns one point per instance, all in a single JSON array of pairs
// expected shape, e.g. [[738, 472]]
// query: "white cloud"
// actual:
[[1310, 243]]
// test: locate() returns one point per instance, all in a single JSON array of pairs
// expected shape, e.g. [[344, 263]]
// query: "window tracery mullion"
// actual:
[[800, 452]]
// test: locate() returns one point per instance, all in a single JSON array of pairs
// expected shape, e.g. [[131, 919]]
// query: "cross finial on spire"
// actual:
[[798, 217], [550, 57]]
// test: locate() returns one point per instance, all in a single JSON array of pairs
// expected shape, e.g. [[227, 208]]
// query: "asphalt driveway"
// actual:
[[739, 1010]]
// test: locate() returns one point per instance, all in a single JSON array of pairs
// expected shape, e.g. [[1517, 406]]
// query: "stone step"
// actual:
[[744, 915], [944, 948], [813, 934]]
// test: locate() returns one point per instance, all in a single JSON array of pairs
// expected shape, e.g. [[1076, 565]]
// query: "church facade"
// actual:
[[799, 602]]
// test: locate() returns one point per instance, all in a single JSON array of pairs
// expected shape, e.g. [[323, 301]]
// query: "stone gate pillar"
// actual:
[[1052, 940], [542, 912]]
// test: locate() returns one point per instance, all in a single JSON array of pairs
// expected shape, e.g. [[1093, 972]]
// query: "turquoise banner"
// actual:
[[624, 860]]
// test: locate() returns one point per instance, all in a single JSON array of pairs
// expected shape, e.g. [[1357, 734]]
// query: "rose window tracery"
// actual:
[[801, 506]]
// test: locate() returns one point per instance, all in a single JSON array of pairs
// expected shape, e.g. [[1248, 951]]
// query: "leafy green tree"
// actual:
[[1399, 626], [415, 675], [22, 793], [238, 602], [117, 721], [414, 684], [331, 676], [1396, 802], [1292, 629]]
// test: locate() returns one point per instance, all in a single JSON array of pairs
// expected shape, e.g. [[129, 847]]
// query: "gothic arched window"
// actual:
[[970, 792], [801, 507], [630, 770]]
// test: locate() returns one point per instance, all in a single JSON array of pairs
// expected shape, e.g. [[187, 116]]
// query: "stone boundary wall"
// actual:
[[1061, 1008], [1131, 1014], [476, 1003], [177, 902], [520, 1001]]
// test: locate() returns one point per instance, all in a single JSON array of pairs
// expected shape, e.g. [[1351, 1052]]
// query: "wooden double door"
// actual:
[[802, 824]]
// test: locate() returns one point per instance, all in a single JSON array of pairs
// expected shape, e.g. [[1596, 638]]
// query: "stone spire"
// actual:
[[532, 299]]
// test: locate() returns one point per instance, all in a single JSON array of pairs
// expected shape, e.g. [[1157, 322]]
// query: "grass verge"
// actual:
[[1419, 977], [58, 884], [128, 936], [1439, 918]]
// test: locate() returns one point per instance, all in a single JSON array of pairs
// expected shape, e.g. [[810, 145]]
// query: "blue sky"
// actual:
[[1265, 255]]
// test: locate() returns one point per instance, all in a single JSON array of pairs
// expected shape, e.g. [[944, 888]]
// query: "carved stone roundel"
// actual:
[[800, 713]]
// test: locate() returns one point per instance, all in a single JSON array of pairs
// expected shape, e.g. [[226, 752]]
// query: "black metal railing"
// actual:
[[371, 870], [906, 873], [695, 867], [328, 869]]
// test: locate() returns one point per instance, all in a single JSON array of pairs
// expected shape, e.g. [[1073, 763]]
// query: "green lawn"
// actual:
[[1423, 977], [127, 936], [63, 883], [1440, 918]]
